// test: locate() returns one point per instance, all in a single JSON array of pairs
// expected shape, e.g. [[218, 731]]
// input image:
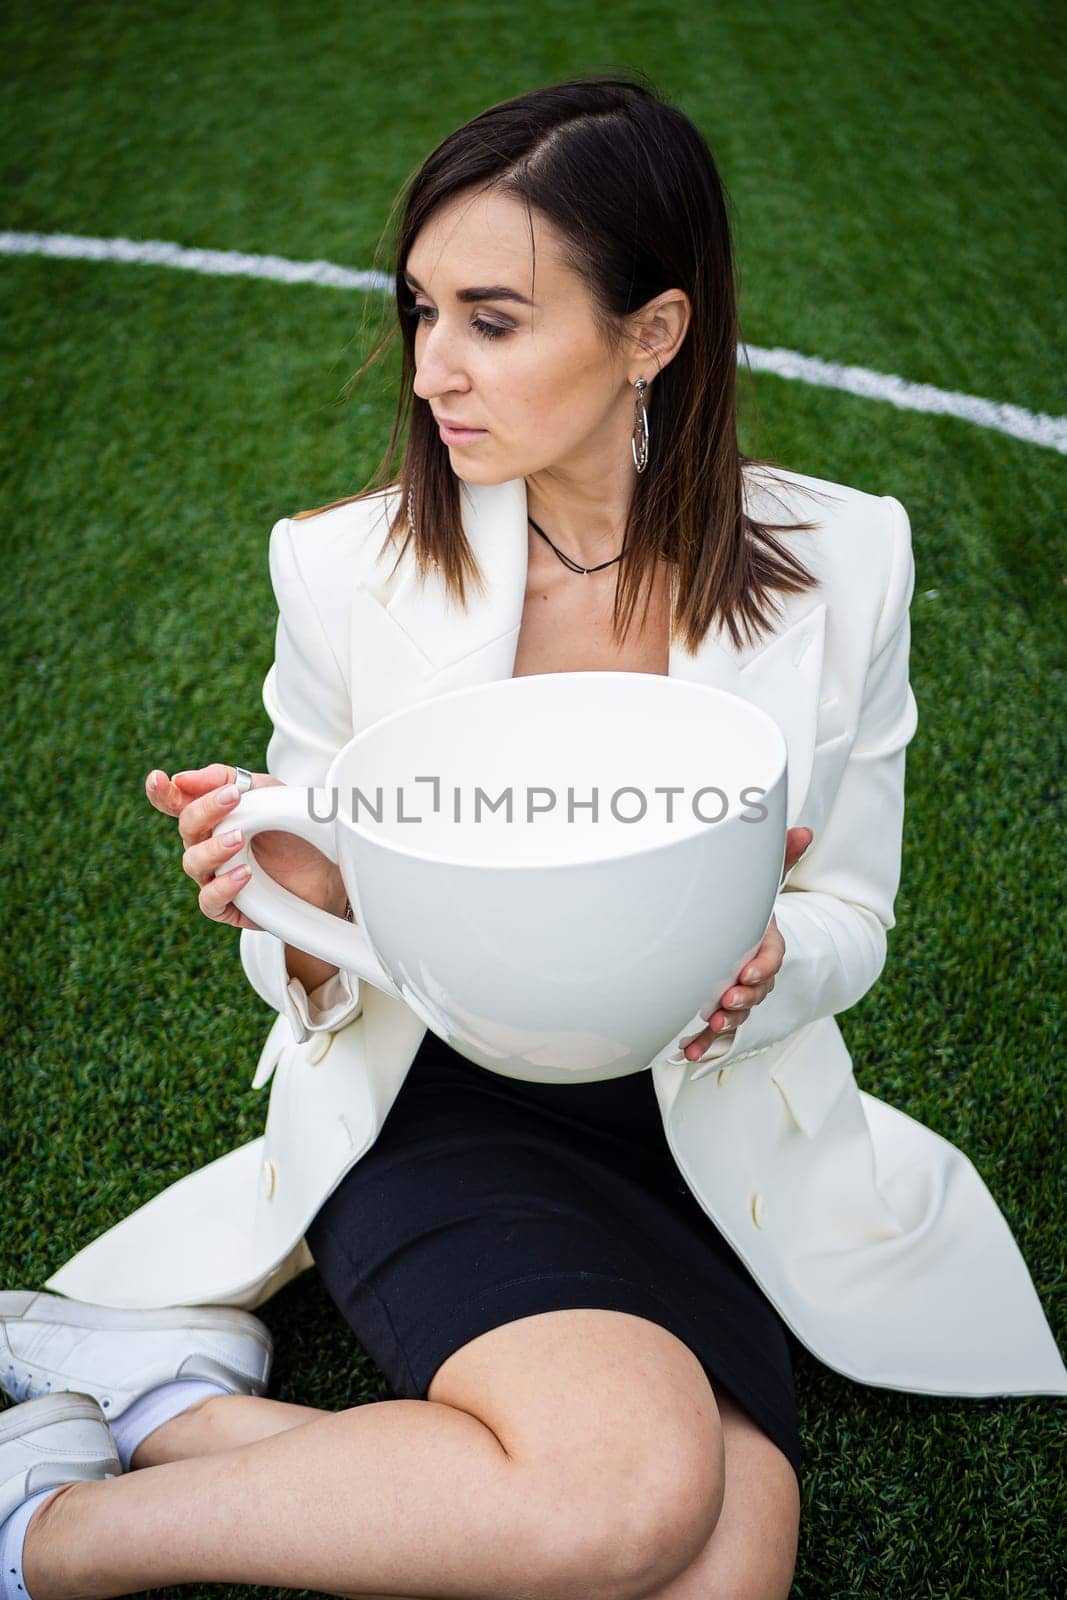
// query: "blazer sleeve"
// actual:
[[306, 697], [836, 906]]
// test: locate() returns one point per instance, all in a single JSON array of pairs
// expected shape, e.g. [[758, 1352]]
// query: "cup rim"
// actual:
[[513, 686]]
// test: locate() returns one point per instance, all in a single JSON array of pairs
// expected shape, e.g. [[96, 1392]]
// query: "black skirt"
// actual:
[[487, 1198]]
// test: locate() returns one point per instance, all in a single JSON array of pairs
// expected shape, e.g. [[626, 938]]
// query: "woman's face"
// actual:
[[520, 362]]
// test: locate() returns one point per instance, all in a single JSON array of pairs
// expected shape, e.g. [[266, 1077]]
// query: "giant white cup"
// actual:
[[543, 940]]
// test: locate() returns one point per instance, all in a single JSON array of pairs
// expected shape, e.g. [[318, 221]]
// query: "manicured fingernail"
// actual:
[[231, 839], [750, 975], [227, 796], [241, 874]]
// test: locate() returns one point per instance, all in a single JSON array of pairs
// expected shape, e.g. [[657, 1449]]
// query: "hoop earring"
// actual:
[[410, 519], [639, 440]]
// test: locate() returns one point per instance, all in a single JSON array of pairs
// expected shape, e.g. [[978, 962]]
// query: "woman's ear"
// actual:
[[660, 326]]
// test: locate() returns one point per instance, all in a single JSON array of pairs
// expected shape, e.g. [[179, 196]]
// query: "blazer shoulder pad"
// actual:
[[858, 549], [778, 494], [343, 543]]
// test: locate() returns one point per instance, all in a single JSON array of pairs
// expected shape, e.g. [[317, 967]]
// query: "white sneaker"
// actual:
[[60, 1438], [49, 1343]]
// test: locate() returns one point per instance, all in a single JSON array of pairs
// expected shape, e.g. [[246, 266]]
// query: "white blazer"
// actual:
[[876, 1240]]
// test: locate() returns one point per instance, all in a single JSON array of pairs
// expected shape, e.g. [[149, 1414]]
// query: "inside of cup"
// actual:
[[558, 768]]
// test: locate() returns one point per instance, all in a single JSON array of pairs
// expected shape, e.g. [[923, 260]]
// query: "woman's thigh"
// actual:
[[619, 1418]]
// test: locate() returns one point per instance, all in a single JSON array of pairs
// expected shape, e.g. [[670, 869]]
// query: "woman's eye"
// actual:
[[488, 330]]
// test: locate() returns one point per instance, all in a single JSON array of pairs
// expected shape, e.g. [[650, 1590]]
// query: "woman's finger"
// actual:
[[725, 1023], [768, 958], [196, 781], [201, 861], [737, 1001], [746, 995], [172, 795], [797, 841], [732, 1012], [163, 794], [201, 817], [216, 898]]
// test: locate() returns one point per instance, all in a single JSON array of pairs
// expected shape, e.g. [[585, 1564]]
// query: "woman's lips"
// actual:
[[455, 436]]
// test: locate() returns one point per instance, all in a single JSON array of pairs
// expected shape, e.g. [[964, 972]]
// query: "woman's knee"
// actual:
[[616, 1540], [615, 1427], [597, 1523]]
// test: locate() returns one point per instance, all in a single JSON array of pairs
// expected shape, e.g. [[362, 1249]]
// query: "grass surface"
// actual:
[[894, 184]]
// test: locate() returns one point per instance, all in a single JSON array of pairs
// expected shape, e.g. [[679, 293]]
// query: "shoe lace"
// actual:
[[24, 1388]]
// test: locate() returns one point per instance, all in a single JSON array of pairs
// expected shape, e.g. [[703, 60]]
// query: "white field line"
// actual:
[[1034, 427]]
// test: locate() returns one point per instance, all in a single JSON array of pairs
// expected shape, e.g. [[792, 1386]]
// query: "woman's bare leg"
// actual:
[[221, 1422], [564, 1453], [753, 1550], [402, 1496]]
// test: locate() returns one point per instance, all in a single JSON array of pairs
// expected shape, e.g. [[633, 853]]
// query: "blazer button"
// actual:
[[270, 1177], [757, 1207], [317, 1047]]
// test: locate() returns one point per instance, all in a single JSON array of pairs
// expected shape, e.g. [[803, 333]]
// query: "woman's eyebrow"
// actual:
[[497, 292]]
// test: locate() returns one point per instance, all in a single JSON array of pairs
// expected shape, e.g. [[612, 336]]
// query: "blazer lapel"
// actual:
[[781, 677], [411, 641]]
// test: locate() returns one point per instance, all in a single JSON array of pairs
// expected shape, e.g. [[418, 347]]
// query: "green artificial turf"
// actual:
[[896, 182]]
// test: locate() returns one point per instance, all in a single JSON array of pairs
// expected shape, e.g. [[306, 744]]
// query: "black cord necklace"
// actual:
[[567, 562]]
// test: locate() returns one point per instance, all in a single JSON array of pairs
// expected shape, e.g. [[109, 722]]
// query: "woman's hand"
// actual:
[[759, 972], [200, 799]]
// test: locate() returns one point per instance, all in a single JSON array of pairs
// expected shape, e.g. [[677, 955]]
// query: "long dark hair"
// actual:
[[630, 186]]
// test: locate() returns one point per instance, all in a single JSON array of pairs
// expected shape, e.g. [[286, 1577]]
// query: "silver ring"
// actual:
[[243, 780]]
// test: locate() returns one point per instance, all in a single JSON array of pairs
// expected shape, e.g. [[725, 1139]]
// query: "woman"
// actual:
[[594, 1397]]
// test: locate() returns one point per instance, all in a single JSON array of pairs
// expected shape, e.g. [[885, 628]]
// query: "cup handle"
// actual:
[[276, 909]]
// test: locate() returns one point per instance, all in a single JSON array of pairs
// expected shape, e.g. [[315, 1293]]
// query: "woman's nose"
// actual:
[[436, 372]]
